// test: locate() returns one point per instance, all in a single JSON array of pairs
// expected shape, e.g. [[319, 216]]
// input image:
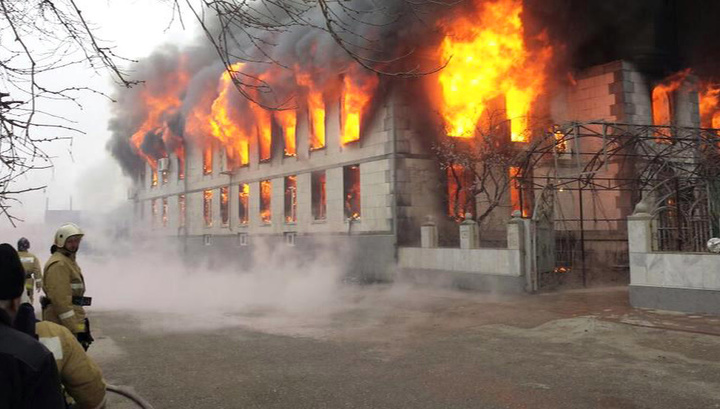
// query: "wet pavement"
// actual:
[[406, 347]]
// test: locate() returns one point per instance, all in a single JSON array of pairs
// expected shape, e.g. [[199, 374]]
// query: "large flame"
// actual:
[[487, 57], [316, 108], [226, 128], [288, 123], [160, 104], [662, 98], [263, 123], [358, 90], [710, 106]]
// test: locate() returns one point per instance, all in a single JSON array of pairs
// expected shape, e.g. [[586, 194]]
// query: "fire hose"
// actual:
[[127, 393]]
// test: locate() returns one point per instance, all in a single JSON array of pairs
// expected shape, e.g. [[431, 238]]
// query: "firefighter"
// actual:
[[64, 286], [79, 374], [28, 373], [31, 264]]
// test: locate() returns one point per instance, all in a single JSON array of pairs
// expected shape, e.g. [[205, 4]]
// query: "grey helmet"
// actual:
[[23, 244]]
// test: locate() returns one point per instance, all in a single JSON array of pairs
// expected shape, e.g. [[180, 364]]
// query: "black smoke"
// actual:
[[660, 36]]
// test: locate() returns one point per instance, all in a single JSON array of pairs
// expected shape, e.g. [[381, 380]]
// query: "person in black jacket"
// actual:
[[28, 374]]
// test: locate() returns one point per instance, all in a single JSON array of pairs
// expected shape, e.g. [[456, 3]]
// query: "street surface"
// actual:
[[404, 347]]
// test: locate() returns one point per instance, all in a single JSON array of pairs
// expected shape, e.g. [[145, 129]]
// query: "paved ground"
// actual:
[[402, 347]]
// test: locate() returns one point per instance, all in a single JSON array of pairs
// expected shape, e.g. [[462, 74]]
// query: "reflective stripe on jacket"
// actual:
[[31, 264], [79, 374], [63, 281]]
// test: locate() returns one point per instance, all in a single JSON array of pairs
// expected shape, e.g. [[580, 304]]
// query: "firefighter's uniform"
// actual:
[[64, 283], [80, 376], [33, 273]]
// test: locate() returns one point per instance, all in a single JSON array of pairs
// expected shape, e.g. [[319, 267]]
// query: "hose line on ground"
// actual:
[[126, 392]]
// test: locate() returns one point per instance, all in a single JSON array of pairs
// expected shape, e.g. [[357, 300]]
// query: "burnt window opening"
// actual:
[[662, 112], [181, 210], [318, 195], [264, 131], [316, 114], [243, 203], [459, 191], [181, 167], [207, 160], [154, 177], [163, 168], [224, 206], [265, 196], [287, 121], [164, 212], [154, 211], [350, 113], [520, 198], [561, 143], [351, 191], [663, 106], [291, 199], [207, 207]]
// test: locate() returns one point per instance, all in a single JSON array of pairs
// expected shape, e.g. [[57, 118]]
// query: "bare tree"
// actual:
[[480, 168], [40, 39]]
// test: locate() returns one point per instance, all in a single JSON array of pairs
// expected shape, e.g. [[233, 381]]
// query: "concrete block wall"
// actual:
[[420, 194], [687, 282], [371, 152]]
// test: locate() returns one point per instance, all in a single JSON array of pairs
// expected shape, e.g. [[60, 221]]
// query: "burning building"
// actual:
[[319, 148]]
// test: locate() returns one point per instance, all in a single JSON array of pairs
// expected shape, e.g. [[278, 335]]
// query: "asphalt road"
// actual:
[[384, 347]]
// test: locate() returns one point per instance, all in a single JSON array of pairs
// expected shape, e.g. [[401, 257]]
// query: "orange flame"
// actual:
[[710, 106], [263, 122], [288, 122], [662, 97], [316, 109], [159, 105], [487, 57], [358, 90], [265, 196], [662, 104], [224, 127]]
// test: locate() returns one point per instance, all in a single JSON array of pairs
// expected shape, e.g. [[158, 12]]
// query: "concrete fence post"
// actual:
[[640, 230], [468, 233], [429, 233], [518, 238]]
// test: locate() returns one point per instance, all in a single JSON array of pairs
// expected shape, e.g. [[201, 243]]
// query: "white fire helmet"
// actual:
[[713, 245], [65, 231]]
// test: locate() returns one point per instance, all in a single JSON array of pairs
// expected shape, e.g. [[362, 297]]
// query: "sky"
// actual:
[[83, 169]]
